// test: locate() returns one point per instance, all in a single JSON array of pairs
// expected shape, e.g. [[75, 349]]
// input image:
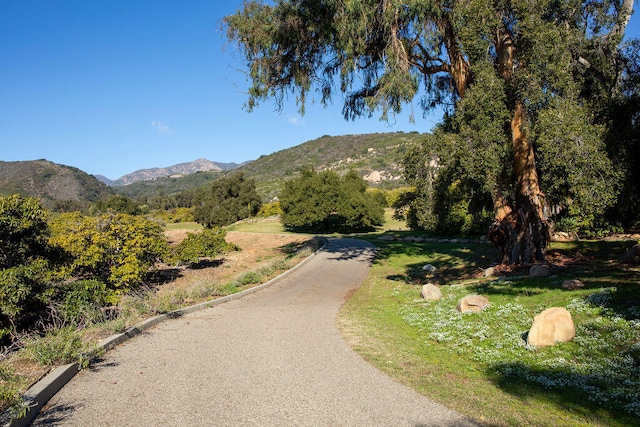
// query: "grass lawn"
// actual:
[[184, 226], [479, 364]]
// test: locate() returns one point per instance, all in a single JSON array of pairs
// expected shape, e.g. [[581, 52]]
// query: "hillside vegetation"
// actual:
[[373, 156], [50, 182], [376, 157]]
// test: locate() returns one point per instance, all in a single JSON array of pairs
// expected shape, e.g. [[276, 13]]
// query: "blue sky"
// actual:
[[112, 86]]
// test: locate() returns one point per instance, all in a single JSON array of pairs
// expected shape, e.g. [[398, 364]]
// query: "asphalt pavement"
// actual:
[[272, 358]]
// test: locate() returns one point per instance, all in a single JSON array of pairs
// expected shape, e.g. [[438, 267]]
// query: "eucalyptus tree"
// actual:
[[497, 66]]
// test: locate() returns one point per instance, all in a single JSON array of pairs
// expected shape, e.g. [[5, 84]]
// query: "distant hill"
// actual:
[[50, 182], [376, 157], [182, 169]]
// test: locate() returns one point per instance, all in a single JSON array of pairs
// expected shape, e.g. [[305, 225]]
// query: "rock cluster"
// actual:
[[572, 285]]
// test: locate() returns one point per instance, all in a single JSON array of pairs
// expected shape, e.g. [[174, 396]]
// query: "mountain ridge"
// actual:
[[180, 169], [51, 182], [375, 157]]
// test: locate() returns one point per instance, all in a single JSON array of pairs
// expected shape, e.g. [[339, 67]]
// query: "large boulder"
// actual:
[[490, 272], [429, 269], [561, 236], [431, 292], [475, 303], [551, 326], [572, 285], [540, 271]]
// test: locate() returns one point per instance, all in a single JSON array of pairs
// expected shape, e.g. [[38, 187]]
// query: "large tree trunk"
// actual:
[[520, 228]]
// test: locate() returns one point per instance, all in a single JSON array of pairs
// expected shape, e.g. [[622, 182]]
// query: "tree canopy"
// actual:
[[325, 202], [512, 75], [227, 200]]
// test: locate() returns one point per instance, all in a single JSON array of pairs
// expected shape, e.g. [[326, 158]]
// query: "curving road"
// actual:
[[272, 358]]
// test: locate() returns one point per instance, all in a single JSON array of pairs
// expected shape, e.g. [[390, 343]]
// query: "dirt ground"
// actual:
[[256, 250]]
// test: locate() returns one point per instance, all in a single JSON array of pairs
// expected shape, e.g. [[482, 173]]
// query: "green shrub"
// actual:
[[249, 278], [81, 302], [174, 215], [23, 230], [226, 201], [209, 243], [270, 209], [118, 249], [60, 346], [326, 202], [21, 288], [23, 260], [11, 385]]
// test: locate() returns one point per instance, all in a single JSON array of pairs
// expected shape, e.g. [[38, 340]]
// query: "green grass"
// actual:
[[258, 225], [479, 364], [391, 223], [12, 385], [184, 226]]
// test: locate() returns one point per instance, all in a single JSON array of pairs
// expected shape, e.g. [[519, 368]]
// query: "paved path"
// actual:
[[273, 358]]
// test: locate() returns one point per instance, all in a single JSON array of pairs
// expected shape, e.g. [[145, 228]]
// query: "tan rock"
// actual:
[[490, 272], [540, 271], [551, 326], [474, 303], [431, 292], [572, 285], [562, 236]]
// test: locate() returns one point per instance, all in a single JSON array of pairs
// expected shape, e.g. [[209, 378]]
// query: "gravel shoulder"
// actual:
[[274, 357]]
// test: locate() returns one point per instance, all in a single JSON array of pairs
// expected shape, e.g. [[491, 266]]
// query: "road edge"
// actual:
[[39, 394]]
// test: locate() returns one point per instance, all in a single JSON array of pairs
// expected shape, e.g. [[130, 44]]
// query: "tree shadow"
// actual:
[[346, 249], [291, 249], [571, 391], [162, 276], [55, 415], [207, 263]]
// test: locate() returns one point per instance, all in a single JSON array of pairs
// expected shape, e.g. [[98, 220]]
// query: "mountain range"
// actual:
[[376, 157], [181, 169]]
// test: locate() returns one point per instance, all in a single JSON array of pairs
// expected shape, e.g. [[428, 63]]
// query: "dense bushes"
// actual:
[[23, 230], [209, 243], [325, 202], [115, 248], [226, 201], [68, 268], [23, 259]]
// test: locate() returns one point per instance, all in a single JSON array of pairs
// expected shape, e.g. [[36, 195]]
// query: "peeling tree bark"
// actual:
[[520, 228], [458, 65]]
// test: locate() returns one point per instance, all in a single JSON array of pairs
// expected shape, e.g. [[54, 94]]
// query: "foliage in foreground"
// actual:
[[116, 248], [23, 259], [480, 364], [60, 346]]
